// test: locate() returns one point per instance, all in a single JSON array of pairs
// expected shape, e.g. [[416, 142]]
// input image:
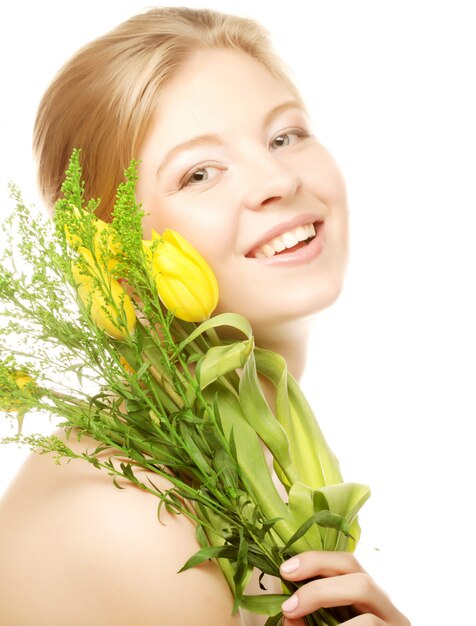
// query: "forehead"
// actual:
[[222, 86]]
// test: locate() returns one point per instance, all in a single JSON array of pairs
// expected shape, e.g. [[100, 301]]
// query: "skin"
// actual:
[[72, 549]]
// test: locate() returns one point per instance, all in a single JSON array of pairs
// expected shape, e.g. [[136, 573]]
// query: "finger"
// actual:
[[319, 563], [367, 619], [356, 589]]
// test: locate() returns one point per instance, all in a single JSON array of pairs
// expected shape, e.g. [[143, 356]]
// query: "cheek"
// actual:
[[205, 230], [209, 233], [321, 175]]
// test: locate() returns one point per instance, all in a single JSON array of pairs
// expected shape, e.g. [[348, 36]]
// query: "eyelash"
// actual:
[[298, 132]]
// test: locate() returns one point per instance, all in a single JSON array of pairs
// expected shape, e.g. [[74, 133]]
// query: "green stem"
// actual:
[[213, 336], [183, 334]]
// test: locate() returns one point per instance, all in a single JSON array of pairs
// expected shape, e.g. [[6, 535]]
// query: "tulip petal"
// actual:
[[178, 299], [176, 238]]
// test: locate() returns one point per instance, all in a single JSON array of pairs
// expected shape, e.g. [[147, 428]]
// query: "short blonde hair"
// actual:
[[103, 99]]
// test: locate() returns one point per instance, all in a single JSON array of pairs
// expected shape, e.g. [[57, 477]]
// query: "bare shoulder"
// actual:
[[76, 550]]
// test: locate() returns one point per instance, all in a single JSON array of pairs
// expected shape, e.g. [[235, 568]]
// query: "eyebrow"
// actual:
[[213, 139]]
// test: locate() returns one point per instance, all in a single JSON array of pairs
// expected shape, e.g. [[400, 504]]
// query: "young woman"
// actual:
[[229, 160]]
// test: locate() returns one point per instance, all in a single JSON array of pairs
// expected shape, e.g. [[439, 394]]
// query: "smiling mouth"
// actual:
[[289, 241]]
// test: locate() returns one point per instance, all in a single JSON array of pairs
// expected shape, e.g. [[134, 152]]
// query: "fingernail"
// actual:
[[290, 604], [290, 566]]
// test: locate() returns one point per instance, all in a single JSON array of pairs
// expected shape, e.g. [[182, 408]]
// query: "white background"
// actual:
[[390, 86]]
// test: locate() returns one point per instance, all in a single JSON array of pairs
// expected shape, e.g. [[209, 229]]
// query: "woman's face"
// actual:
[[249, 188]]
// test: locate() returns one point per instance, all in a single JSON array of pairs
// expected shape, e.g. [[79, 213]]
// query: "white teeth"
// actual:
[[286, 240], [267, 250], [289, 239], [277, 244], [301, 233], [311, 230]]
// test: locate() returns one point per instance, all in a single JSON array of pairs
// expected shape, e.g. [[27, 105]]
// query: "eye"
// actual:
[[285, 137], [197, 175]]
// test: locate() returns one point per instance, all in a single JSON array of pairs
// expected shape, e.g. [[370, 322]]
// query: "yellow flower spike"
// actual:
[[106, 303], [77, 242], [21, 380], [186, 284], [146, 246], [112, 247], [73, 240]]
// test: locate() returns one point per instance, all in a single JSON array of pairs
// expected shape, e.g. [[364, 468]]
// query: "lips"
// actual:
[[285, 238]]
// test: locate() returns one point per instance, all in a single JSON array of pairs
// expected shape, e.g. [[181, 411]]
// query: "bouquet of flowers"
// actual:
[[115, 335]]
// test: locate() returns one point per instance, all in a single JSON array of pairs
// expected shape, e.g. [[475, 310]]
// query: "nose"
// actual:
[[267, 180]]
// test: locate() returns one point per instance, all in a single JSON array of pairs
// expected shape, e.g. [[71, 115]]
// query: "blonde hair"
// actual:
[[103, 99]]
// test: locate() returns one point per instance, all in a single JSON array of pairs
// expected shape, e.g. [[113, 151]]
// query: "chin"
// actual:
[[308, 302], [270, 304], [328, 295], [272, 317]]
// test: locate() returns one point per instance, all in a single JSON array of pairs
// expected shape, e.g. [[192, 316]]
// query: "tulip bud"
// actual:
[[185, 282], [110, 306]]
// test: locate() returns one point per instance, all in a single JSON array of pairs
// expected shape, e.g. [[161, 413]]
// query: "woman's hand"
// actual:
[[337, 579]]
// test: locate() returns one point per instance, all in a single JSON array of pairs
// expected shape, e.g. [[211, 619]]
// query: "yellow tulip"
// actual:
[[186, 284], [110, 306]]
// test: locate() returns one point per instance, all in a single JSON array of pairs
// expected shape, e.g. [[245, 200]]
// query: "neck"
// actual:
[[291, 342]]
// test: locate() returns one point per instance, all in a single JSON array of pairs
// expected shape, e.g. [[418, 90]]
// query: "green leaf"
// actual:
[[301, 509], [327, 519], [311, 441], [195, 454], [275, 620], [221, 360], [266, 604], [232, 445], [128, 472], [344, 499], [215, 532], [142, 370], [210, 552], [251, 460], [224, 319], [241, 571], [314, 461], [225, 467], [262, 563], [261, 418]]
